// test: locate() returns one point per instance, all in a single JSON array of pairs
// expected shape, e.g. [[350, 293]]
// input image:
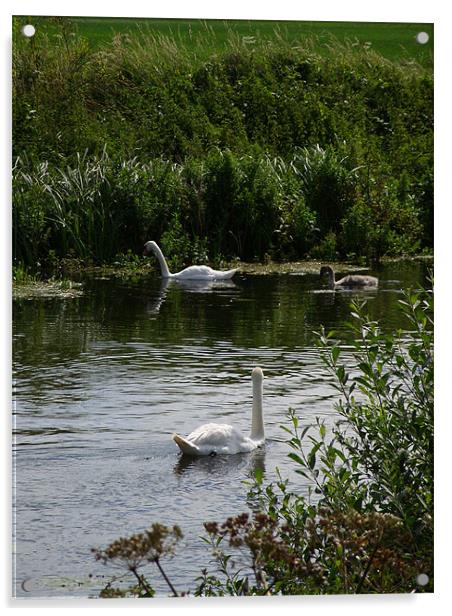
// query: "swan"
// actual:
[[194, 272], [212, 438], [351, 281]]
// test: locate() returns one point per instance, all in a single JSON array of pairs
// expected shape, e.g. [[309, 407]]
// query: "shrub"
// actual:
[[326, 249]]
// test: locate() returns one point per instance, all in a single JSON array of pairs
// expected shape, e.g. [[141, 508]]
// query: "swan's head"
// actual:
[[149, 248], [257, 374], [326, 270]]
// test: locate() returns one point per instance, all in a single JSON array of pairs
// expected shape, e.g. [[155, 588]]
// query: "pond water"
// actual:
[[102, 381]]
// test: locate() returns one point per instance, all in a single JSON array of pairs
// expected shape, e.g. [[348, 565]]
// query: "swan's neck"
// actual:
[[257, 420], [161, 259], [331, 279]]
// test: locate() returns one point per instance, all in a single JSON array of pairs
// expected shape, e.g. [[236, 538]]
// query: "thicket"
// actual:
[[367, 524], [262, 148]]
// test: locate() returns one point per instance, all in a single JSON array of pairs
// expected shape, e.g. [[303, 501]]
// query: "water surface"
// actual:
[[102, 381]]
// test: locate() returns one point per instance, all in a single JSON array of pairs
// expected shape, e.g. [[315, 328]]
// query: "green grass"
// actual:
[[395, 41]]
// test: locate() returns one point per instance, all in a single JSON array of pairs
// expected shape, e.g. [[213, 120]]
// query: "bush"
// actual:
[[225, 205], [326, 249], [384, 221], [243, 204]]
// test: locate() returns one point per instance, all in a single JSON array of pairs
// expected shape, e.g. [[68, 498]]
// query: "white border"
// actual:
[[322, 10], [347, 10]]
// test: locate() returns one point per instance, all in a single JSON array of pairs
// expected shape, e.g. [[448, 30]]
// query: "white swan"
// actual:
[[351, 281], [212, 439], [194, 272]]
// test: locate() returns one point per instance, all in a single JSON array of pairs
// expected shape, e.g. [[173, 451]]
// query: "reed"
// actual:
[[222, 206]]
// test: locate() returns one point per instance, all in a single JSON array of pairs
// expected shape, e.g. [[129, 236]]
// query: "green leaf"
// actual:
[[304, 431], [258, 475], [340, 372], [296, 458], [366, 368], [335, 352], [312, 455]]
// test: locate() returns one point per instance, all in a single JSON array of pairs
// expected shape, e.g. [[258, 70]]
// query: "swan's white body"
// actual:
[[213, 439], [353, 281], [194, 272]]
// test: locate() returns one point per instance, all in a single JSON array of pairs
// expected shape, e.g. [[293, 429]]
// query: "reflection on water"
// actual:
[[190, 286], [102, 381], [203, 286], [247, 464]]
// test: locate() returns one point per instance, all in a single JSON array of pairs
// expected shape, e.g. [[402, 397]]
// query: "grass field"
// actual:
[[395, 41]]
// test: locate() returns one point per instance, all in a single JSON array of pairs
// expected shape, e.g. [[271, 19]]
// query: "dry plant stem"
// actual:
[[141, 580], [173, 590], [366, 570]]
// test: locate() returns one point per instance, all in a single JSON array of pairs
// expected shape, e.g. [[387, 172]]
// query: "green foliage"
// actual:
[[385, 220], [227, 205], [175, 243], [99, 208], [243, 203], [381, 456], [21, 275], [267, 148], [328, 185], [326, 249], [144, 96]]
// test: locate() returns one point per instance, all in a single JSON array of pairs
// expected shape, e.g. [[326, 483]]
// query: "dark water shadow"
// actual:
[[223, 465]]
